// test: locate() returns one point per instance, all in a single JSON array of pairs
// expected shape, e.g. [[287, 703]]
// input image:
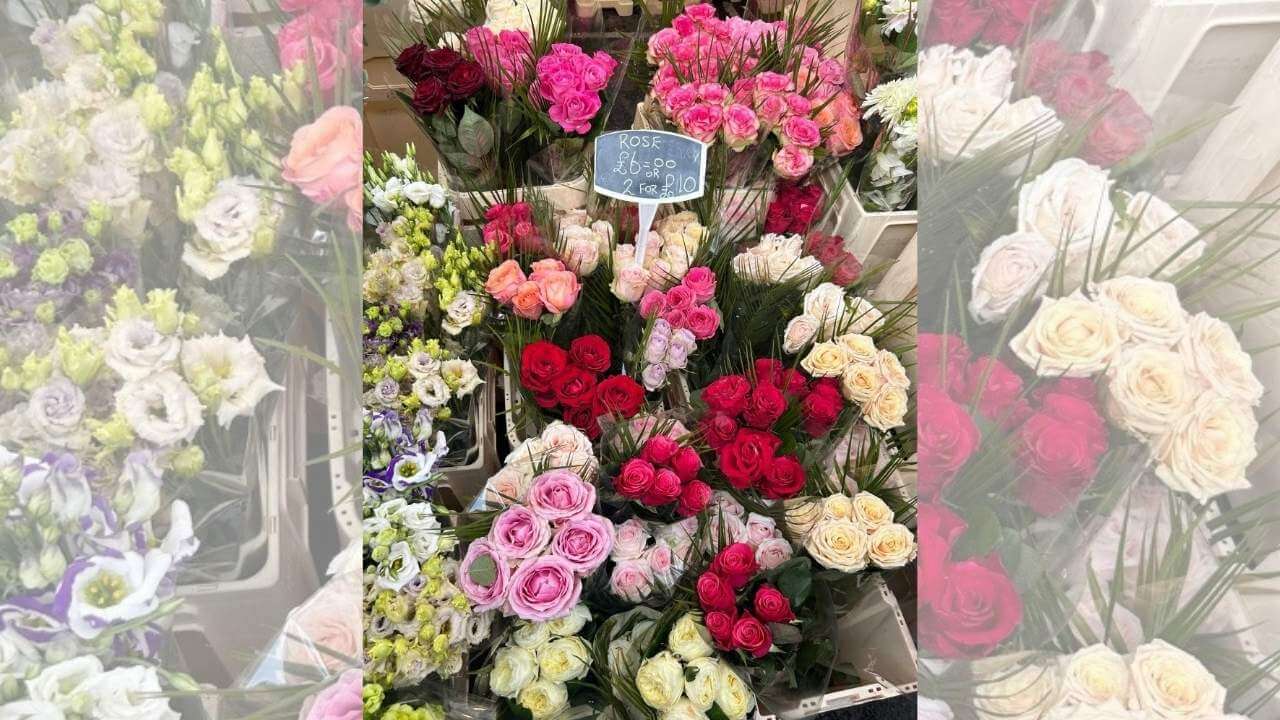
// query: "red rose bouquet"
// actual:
[[574, 383]]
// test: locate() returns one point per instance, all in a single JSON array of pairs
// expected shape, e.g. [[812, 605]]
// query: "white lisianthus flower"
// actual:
[[90, 84], [1069, 205], [424, 193], [225, 228], [514, 669], [227, 373], [119, 136], [660, 681], [136, 350], [564, 659], [107, 590], [34, 161], [180, 542], [161, 409], [63, 684], [128, 693], [464, 311], [461, 376], [138, 488], [1170, 684], [1214, 353], [1069, 336], [1208, 450], [55, 412], [19, 657], [432, 391], [1009, 270], [400, 567], [31, 710], [1095, 675], [119, 189], [60, 483], [57, 47]]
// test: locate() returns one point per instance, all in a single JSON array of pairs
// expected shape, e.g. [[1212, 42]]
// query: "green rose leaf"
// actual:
[[475, 134], [483, 571], [464, 161]]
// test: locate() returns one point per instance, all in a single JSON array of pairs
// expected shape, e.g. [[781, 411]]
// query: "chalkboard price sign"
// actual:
[[650, 166]]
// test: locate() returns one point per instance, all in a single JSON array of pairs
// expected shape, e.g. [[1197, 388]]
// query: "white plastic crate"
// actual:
[[873, 641], [875, 238], [1203, 49], [284, 574]]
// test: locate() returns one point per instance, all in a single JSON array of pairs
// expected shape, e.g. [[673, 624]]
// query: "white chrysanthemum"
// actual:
[[890, 101]]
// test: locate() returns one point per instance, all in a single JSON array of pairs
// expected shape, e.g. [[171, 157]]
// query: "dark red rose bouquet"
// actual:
[[441, 76], [794, 208]]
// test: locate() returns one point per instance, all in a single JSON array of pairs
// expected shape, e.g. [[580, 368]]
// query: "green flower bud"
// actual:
[[24, 227], [125, 304], [80, 360], [187, 462], [77, 255], [162, 306], [113, 434], [7, 267], [372, 695], [50, 268]]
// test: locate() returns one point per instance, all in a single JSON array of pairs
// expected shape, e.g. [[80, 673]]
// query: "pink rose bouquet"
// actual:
[[532, 562], [798, 103], [681, 316], [570, 82]]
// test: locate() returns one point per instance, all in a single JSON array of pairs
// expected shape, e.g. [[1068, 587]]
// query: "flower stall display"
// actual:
[[503, 90], [1085, 403]]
